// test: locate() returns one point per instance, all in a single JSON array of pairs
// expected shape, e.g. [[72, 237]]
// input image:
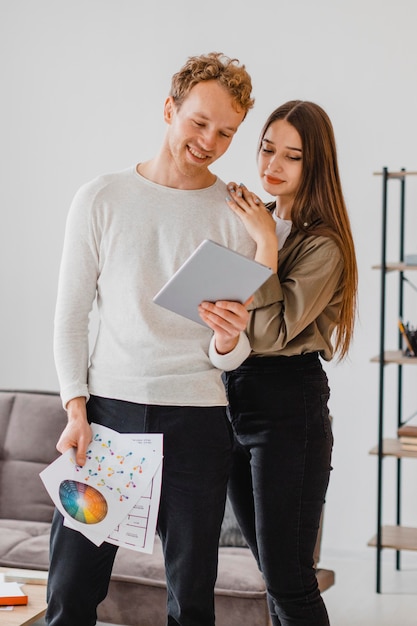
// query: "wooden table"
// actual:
[[33, 610]]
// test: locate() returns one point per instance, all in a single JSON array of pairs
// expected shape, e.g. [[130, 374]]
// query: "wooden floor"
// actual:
[[353, 600]]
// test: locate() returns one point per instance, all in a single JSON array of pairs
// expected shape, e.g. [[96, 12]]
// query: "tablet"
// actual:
[[212, 272]]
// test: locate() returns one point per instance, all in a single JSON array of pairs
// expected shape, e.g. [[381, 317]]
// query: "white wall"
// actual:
[[83, 84]]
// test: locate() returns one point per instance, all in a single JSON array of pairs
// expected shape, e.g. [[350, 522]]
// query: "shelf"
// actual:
[[396, 356], [399, 174], [397, 538], [395, 267], [392, 447]]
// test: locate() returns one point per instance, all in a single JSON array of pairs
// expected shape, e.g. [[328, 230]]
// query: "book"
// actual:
[[25, 576], [11, 594], [410, 259], [408, 428], [410, 441], [412, 447]]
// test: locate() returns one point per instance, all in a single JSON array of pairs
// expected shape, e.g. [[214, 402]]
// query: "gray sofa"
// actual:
[[30, 424]]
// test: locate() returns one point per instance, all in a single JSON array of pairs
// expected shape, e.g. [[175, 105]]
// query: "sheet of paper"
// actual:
[[137, 530], [96, 498]]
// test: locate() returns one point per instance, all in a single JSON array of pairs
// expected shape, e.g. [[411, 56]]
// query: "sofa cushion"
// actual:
[[24, 544], [30, 425], [22, 494]]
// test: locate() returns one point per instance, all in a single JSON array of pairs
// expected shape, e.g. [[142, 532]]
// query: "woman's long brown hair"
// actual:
[[319, 207]]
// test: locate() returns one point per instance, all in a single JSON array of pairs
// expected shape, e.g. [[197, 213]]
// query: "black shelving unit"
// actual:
[[396, 537]]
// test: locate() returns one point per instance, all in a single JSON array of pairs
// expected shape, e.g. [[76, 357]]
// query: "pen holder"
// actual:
[[410, 339], [412, 334]]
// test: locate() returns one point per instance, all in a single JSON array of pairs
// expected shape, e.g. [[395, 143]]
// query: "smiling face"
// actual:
[[280, 164], [199, 132]]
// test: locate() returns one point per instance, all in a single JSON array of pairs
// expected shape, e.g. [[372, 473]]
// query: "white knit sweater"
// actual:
[[125, 237]]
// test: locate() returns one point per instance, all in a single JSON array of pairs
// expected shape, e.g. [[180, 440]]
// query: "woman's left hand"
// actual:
[[255, 216], [258, 221]]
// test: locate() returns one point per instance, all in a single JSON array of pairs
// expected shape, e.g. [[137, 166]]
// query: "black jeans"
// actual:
[[280, 473], [197, 453]]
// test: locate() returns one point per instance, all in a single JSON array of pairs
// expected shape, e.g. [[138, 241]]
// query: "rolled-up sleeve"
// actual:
[[233, 359]]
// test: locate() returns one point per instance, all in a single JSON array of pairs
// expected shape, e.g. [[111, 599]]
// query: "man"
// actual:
[[150, 369]]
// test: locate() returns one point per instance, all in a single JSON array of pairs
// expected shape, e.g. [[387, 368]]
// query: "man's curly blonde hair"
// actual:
[[214, 66]]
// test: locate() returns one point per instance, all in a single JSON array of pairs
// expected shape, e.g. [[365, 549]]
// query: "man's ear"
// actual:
[[169, 107]]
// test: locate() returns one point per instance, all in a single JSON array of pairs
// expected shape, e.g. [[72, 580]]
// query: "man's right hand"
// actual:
[[227, 319], [77, 433]]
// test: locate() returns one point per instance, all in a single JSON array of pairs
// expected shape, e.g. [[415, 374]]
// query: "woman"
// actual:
[[278, 397]]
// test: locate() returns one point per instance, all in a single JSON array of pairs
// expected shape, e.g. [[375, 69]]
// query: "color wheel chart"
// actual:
[[82, 502]]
